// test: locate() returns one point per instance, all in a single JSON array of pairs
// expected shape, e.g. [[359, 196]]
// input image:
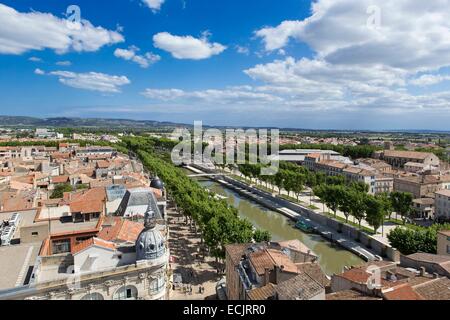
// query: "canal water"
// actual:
[[332, 258]]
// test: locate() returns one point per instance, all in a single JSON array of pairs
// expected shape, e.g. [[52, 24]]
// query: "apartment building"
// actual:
[[383, 184], [424, 208], [361, 175], [442, 205], [418, 186]]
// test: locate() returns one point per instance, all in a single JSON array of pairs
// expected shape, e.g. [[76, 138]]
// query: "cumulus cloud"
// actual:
[[356, 64], [232, 95], [39, 71], [277, 37], [187, 47], [93, 81], [22, 32], [142, 60], [413, 35], [155, 5]]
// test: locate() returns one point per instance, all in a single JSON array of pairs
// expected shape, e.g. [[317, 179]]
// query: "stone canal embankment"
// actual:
[[347, 236]]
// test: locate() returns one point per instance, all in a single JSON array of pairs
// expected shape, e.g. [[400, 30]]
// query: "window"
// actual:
[[93, 296], [126, 293], [35, 234], [448, 249], [62, 246], [157, 284], [81, 239]]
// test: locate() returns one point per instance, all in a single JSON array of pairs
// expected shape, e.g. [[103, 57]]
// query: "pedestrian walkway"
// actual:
[[308, 200]]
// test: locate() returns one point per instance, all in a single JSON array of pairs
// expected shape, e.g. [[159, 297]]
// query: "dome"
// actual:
[[156, 183], [150, 245]]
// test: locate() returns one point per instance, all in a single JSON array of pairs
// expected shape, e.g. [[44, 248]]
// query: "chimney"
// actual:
[[422, 271], [435, 275], [266, 276]]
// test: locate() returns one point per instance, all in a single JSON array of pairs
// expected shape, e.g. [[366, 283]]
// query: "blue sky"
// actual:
[[335, 64]]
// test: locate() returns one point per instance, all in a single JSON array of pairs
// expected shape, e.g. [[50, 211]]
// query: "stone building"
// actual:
[[443, 243], [398, 159], [442, 205], [274, 271], [115, 264]]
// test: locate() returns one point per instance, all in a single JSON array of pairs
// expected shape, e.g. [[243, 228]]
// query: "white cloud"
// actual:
[[22, 32], [413, 35], [93, 81], [187, 47], [64, 63], [242, 50], [131, 54], [35, 59], [240, 95], [39, 71], [277, 37], [428, 80], [155, 5]]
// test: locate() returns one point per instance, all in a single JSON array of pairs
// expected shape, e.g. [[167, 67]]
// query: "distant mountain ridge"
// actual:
[[66, 122], [107, 123]]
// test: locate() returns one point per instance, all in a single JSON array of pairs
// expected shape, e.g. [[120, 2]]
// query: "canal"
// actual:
[[332, 258]]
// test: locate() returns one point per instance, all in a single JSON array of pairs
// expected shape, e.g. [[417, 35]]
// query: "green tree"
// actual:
[[262, 236], [401, 203], [358, 206], [375, 212], [59, 190]]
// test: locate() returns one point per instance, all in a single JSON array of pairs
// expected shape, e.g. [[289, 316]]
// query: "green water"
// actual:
[[332, 258]]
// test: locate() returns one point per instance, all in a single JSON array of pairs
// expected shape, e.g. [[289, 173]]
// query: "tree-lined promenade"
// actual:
[[218, 223], [351, 198]]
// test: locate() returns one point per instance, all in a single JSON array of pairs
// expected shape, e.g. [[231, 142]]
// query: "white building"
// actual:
[[442, 204]]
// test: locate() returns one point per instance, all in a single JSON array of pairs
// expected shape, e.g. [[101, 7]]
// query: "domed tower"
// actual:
[[150, 243], [156, 183]]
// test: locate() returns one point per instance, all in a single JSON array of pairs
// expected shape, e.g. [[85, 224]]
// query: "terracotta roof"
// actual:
[[353, 170], [236, 251], [60, 155], [356, 275], [103, 164], [314, 155], [261, 260], [300, 287], [350, 295], [445, 232], [117, 229], [16, 201], [91, 242], [407, 154], [444, 192], [60, 179], [402, 292], [263, 293], [86, 206], [436, 289], [428, 257], [296, 245], [315, 272], [282, 261]]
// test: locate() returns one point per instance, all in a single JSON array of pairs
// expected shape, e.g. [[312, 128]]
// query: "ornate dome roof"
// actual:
[[156, 183], [150, 243]]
